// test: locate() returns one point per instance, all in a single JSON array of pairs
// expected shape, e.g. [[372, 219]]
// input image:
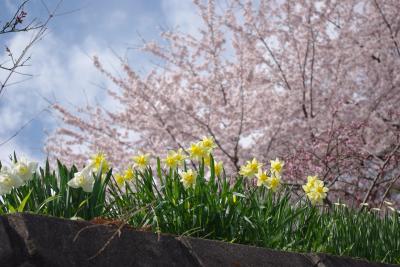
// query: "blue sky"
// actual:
[[61, 63]]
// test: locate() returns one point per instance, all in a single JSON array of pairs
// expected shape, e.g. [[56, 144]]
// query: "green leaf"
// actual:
[[21, 206], [11, 208], [44, 203]]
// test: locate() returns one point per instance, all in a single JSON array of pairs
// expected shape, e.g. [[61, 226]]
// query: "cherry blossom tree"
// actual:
[[315, 83]]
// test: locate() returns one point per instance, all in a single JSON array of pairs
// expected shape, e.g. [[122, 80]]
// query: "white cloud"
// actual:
[[181, 14], [66, 71], [62, 73], [10, 119]]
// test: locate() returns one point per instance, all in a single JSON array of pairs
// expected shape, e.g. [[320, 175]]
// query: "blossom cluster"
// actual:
[[18, 174]]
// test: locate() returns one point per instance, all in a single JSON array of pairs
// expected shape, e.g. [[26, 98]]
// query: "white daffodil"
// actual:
[[8, 181], [83, 179], [24, 169]]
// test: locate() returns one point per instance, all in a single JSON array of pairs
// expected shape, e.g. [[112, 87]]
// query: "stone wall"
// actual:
[[32, 240]]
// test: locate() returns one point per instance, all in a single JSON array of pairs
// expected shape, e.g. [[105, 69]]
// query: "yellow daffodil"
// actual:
[[119, 178], [218, 168], [207, 160], [141, 160], [188, 178], [317, 193], [171, 160], [197, 151], [180, 158], [276, 166], [208, 143], [310, 184], [174, 158], [274, 182], [99, 161], [262, 178], [251, 168], [129, 174]]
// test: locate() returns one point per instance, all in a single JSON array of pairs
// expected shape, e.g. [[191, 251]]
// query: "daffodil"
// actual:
[[391, 208], [83, 179], [188, 178], [141, 160], [119, 178], [197, 151], [180, 158], [218, 168], [274, 182], [388, 203], [208, 143], [174, 158], [310, 184], [276, 166], [262, 178], [129, 174], [251, 168], [24, 169], [6, 184], [170, 160], [8, 181], [318, 192], [207, 160], [99, 162]]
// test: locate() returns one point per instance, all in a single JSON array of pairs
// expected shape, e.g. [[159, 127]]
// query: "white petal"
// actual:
[[32, 166], [4, 190], [87, 187], [16, 180], [73, 183]]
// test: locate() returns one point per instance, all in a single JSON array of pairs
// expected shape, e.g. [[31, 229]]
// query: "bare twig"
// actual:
[[23, 127], [11, 26], [385, 163], [388, 189]]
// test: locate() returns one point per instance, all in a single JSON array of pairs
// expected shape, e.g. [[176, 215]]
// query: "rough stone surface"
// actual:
[[32, 240]]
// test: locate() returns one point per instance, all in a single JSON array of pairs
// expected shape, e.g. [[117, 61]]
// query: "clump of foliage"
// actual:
[[240, 212], [47, 192]]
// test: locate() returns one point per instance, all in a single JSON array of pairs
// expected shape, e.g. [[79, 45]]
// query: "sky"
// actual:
[[61, 65]]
